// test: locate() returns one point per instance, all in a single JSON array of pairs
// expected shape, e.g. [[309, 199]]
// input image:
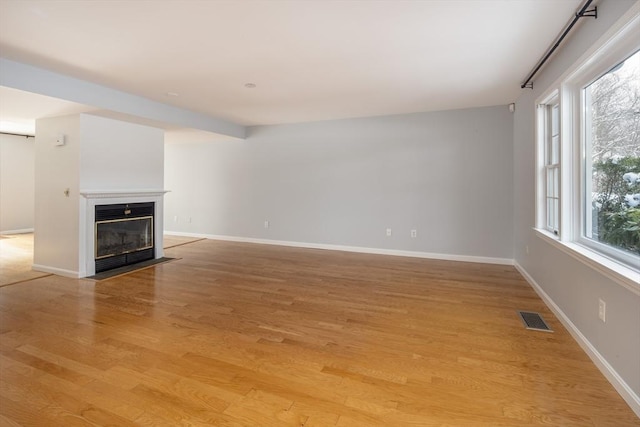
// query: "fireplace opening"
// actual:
[[123, 234]]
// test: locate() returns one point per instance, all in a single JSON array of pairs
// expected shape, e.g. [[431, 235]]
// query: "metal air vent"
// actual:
[[534, 321]]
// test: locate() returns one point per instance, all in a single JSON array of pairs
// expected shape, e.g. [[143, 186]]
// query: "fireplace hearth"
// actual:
[[124, 234]]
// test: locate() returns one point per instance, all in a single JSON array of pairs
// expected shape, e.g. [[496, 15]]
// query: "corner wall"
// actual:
[[99, 154], [571, 287], [447, 175]]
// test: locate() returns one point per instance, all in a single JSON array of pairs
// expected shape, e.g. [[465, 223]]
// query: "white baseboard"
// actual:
[[359, 249], [19, 231], [58, 271], [632, 399]]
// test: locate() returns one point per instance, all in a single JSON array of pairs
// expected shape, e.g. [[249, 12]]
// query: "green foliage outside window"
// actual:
[[615, 156], [617, 202]]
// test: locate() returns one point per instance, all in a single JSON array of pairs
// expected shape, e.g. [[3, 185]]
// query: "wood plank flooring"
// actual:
[[16, 258], [236, 334]]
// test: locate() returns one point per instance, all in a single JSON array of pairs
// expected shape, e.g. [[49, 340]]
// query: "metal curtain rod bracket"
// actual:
[[582, 13], [588, 13]]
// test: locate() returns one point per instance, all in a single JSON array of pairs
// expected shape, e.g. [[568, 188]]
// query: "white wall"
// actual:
[[56, 214], [446, 174], [572, 286], [100, 154], [17, 161], [116, 155]]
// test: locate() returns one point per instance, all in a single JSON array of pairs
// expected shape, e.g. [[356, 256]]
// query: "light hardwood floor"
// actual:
[[235, 334], [16, 258]]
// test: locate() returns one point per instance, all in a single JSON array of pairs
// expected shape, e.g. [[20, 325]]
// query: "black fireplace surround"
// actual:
[[123, 234]]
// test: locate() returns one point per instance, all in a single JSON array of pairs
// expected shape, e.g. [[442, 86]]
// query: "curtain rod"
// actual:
[[583, 12], [18, 134]]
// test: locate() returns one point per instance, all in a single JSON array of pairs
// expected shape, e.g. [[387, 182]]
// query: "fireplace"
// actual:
[[124, 234], [112, 205]]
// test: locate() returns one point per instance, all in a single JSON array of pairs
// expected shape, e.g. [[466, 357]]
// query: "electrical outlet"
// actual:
[[388, 232], [266, 224], [602, 310], [414, 234], [175, 218], [189, 220]]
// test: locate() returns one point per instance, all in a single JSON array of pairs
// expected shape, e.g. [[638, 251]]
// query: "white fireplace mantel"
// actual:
[[111, 194], [88, 202]]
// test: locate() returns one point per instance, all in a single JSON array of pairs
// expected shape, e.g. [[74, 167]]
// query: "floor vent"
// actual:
[[534, 321]]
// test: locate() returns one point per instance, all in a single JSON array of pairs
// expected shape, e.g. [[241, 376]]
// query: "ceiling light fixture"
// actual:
[[171, 94], [250, 85]]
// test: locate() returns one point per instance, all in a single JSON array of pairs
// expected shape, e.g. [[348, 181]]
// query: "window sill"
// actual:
[[625, 276]]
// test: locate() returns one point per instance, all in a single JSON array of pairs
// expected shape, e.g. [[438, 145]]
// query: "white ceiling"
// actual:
[[18, 109], [310, 60]]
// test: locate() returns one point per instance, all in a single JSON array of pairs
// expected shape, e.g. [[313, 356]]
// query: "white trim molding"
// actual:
[[632, 399], [358, 249], [57, 271], [621, 274], [110, 194]]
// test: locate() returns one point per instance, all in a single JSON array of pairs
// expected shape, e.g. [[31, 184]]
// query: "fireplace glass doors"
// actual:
[[121, 236], [124, 235]]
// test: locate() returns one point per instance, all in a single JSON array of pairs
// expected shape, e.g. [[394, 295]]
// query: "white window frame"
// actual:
[[552, 166], [622, 40], [581, 81]]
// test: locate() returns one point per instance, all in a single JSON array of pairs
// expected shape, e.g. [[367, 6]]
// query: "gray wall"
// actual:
[[447, 174], [17, 163], [573, 286]]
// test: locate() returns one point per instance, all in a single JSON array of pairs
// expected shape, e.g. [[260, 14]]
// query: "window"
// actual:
[[588, 156], [611, 198], [552, 165]]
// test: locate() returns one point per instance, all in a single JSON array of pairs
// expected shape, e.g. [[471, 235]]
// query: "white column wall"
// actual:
[[99, 155], [57, 213]]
